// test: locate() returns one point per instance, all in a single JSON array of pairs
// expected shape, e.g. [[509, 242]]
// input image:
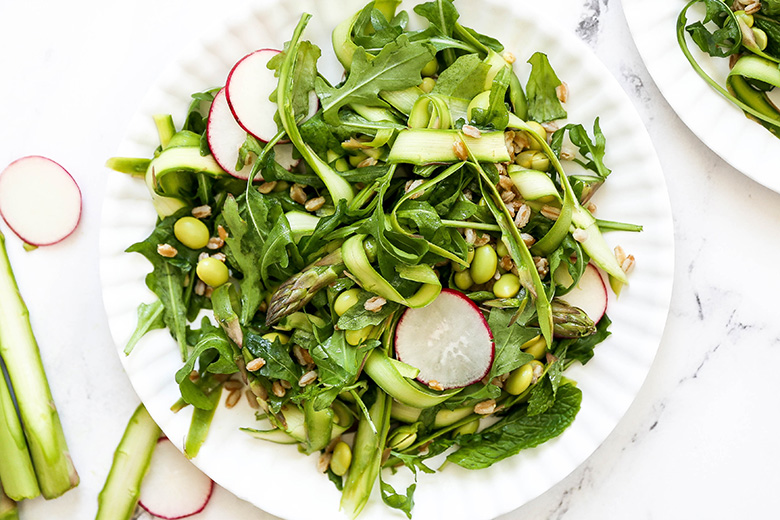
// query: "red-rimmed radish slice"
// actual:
[[284, 156], [39, 200], [448, 340], [590, 294], [226, 136], [249, 88], [174, 488]]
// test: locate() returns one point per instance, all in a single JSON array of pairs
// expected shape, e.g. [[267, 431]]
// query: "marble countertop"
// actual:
[[698, 442]]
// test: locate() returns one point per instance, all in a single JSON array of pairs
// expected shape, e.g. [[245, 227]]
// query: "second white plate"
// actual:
[[744, 144]]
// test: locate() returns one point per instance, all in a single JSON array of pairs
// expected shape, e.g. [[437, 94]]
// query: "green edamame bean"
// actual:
[[520, 379], [484, 265], [507, 286], [402, 438], [273, 336], [538, 130], [533, 159], [341, 458], [427, 85], [431, 68], [191, 232], [212, 272], [463, 280], [537, 347], [356, 337], [370, 246], [501, 249], [346, 300]]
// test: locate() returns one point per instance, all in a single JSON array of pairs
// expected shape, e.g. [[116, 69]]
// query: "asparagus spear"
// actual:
[[296, 292], [8, 509], [119, 497], [570, 322], [45, 438], [16, 468]]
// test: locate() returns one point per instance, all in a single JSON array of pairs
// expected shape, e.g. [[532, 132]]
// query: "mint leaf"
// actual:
[[508, 338], [543, 103], [518, 431], [396, 67]]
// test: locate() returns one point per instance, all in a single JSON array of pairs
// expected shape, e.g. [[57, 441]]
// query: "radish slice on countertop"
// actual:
[[226, 136], [174, 488], [249, 87], [448, 340], [39, 200], [590, 294]]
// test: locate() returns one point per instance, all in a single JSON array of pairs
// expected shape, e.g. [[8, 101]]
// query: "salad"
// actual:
[[748, 34], [396, 267]]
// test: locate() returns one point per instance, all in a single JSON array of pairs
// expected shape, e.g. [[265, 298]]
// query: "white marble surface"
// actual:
[[699, 441]]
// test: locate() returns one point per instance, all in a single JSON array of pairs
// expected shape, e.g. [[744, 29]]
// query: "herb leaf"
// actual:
[[723, 41], [543, 103], [396, 67]]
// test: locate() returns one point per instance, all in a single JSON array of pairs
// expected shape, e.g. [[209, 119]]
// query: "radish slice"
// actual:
[[590, 295], [449, 341], [226, 136], [314, 105], [39, 200], [174, 488], [249, 88], [284, 156]]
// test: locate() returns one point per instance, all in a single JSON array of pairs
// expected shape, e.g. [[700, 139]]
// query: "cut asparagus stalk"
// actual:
[[8, 510], [16, 469], [40, 421], [119, 497]]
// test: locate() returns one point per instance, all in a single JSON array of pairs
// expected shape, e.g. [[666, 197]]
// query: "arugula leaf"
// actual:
[[244, 247], [212, 339], [581, 349], [592, 152], [464, 79], [373, 31], [518, 431], [403, 503], [150, 317], [543, 102], [278, 250], [508, 337], [337, 361], [396, 67], [723, 41], [441, 14]]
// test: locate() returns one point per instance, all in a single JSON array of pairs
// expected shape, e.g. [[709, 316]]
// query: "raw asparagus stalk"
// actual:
[[119, 497], [570, 322], [367, 456], [296, 292], [8, 509], [40, 421], [16, 468]]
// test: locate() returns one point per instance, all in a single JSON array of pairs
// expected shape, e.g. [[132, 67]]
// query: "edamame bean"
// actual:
[[212, 271], [501, 249], [191, 232], [507, 286], [341, 458], [370, 246], [538, 130], [345, 300], [484, 265], [533, 159], [356, 337], [273, 336], [537, 347], [520, 379], [427, 85], [402, 438], [431, 68], [463, 280]]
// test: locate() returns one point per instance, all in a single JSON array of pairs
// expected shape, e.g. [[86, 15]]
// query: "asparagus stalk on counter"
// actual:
[[41, 423], [8, 510], [119, 497], [16, 468]]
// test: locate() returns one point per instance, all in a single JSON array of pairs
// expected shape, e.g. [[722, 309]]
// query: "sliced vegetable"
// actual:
[[590, 293], [226, 137], [248, 90], [39, 200]]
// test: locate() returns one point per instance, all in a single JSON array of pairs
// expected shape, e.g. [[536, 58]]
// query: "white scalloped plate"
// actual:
[[284, 482], [721, 126]]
